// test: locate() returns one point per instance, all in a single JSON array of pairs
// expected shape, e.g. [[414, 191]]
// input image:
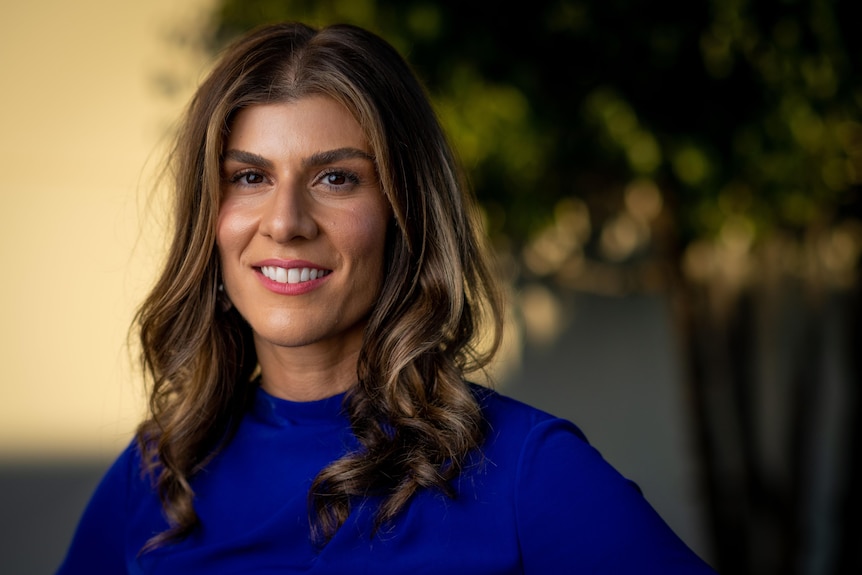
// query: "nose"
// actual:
[[288, 214]]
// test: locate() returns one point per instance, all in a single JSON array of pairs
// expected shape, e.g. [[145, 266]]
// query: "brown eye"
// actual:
[[248, 178], [335, 179], [338, 179]]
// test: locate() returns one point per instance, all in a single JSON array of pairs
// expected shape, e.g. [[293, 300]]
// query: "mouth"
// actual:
[[293, 275]]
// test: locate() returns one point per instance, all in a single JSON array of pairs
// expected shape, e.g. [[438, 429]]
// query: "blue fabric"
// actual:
[[540, 500]]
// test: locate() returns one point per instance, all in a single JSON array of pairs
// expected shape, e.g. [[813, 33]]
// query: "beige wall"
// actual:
[[80, 124]]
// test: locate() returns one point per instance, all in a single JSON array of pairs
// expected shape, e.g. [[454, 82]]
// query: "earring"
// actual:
[[224, 302]]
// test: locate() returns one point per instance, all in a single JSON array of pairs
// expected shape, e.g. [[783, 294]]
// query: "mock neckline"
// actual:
[[283, 412]]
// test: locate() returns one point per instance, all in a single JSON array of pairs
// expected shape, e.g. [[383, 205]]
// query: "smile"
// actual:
[[293, 275]]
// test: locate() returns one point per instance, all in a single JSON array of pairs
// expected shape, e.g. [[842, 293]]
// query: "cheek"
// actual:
[[367, 241], [233, 230]]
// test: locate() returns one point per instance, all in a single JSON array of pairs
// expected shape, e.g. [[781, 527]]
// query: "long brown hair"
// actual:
[[412, 412]]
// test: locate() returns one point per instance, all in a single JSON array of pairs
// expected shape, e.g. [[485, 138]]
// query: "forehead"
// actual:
[[310, 124]]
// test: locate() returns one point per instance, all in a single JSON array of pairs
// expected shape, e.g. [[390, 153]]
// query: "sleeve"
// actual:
[[577, 514], [98, 545]]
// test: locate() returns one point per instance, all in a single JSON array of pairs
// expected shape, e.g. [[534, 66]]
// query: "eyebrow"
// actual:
[[336, 155], [247, 158], [316, 159]]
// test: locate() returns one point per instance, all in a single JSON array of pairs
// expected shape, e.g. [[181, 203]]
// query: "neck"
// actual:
[[306, 373]]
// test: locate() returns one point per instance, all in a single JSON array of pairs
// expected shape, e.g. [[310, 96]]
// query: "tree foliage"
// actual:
[[737, 111]]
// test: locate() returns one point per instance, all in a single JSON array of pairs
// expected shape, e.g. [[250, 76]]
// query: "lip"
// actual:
[[286, 288]]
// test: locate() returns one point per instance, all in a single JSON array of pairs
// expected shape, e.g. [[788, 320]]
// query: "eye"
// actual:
[[247, 178], [335, 179], [338, 179]]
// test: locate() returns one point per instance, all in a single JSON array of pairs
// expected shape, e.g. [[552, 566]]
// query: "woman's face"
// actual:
[[302, 224]]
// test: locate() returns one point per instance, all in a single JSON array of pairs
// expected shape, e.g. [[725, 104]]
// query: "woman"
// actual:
[[308, 341]]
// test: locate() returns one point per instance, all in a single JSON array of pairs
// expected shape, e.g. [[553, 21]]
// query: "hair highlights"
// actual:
[[413, 413]]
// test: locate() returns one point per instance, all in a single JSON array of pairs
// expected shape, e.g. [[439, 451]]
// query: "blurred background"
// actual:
[[673, 189]]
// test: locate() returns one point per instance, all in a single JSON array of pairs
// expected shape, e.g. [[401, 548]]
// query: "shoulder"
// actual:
[[513, 420], [99, 542], [124, 473], [124, 486], [531, 443], [572, 509]]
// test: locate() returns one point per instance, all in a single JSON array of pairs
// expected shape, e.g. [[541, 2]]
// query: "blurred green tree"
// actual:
[[738, 111]]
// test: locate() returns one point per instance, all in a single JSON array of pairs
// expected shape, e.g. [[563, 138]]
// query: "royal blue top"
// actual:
[[540, 500]]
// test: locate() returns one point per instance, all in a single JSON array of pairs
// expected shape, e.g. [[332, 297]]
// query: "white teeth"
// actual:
[[293, 275]]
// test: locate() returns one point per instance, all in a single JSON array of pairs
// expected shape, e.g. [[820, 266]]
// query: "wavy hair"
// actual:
[[414, 415]]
